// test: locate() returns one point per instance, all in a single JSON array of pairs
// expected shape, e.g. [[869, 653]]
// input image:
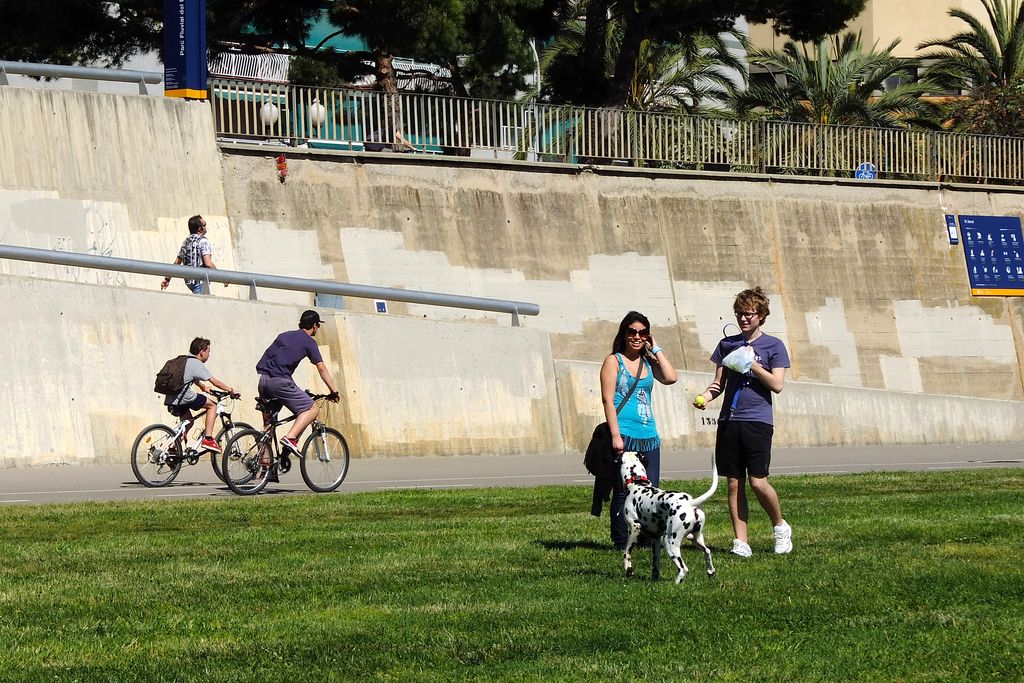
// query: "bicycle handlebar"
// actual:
[[219, 395], [320, 397]]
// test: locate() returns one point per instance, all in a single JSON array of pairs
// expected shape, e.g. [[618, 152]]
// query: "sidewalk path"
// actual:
[[60, 484]]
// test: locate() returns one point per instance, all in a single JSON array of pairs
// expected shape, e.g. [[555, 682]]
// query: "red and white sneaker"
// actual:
[[290, 444], [208, 444]]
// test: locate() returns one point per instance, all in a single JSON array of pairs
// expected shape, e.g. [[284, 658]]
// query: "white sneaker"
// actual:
[[783, 539], [740, 549]]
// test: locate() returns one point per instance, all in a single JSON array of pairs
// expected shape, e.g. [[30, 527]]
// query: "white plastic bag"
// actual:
[[740, 360]]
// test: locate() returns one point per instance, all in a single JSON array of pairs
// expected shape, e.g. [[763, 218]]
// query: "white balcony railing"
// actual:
[[368, 121]]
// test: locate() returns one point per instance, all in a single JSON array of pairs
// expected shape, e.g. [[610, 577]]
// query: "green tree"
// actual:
[[981, 56], [665, 76], [497, 50], [485, 44], [838, 83], [393, 27], [100, 31], [77, 31], [995, 110], [986, 59], [660, 22], [685, 76], [804, 21]]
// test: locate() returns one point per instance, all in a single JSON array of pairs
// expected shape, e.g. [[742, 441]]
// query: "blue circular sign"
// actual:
[[866, 171]]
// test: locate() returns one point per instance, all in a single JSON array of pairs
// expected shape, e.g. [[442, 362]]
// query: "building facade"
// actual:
[[883, 21]]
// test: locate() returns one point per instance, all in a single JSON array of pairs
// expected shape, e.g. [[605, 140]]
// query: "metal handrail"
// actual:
[[254, 280], [86, 72]]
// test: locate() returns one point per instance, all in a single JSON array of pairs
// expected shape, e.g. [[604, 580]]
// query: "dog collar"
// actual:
[[636, 480]]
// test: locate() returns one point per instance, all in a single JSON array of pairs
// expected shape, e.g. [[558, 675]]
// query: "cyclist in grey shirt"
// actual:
[[187, 400]]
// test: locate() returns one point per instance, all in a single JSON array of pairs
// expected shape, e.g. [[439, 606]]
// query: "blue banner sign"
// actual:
[[185, 48], [993, 247]]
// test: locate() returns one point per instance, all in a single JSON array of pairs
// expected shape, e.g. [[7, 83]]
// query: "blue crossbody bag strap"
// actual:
[[636, 381]]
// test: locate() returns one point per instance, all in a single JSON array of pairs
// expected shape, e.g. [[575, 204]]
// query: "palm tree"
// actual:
[[683, 75], [839, 83], [980, 57]]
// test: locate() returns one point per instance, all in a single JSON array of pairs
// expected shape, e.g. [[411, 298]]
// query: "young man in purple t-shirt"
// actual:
[[743, 446], [277, 366]]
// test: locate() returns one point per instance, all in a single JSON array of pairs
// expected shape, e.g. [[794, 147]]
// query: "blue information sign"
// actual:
[[993, 247], [185, 48], [951, 229]]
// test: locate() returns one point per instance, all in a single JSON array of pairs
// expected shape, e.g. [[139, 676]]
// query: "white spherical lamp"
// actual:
[[269, 114], [317, 113]]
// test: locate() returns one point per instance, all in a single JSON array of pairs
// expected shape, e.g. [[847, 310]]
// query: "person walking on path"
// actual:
[[750, 367], [195, 252], [627, 381]]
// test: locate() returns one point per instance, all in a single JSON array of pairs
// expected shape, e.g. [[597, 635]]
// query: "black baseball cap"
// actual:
[[309, 318]]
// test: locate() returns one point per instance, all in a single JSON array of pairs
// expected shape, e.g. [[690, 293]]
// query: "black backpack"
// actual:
[[171, 378]]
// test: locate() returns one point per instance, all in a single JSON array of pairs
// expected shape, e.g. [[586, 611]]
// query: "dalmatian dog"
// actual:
[[665, 516]]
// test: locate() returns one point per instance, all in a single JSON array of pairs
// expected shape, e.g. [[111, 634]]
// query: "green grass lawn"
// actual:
[[894, 577]]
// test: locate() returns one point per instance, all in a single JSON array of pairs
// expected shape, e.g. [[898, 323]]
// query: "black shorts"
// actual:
[[185, 409], [743, 448]]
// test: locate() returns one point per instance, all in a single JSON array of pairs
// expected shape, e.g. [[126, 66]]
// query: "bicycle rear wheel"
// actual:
[[155, 461], [223, 436], [324, 461], [241, 462]]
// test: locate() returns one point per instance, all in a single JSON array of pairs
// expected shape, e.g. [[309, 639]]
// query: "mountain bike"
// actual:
[[159, 451], [252, 456]]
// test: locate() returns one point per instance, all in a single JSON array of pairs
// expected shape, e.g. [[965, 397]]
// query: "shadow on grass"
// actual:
[[573, 545], [594, 545]]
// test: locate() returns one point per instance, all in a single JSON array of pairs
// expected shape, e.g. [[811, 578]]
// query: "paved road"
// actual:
[[59, 484]]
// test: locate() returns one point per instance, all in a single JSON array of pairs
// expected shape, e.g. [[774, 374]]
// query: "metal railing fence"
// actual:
[[366, 120], [84, 72], [256, 280]]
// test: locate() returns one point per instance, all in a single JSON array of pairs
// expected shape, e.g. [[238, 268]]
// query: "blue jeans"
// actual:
[[652, 462], [196, 288]]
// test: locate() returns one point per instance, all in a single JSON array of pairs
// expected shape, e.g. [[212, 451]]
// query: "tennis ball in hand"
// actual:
[[699, 401]]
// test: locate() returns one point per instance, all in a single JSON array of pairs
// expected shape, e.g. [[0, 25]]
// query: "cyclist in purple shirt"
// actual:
[[743, 445], [277, 366]]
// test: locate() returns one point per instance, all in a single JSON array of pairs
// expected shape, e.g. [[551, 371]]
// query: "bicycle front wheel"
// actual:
[[223, 436], [241, 462], [155, 461], [324, 461]]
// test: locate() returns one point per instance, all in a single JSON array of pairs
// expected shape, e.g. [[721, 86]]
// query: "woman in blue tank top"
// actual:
[[634, 354]]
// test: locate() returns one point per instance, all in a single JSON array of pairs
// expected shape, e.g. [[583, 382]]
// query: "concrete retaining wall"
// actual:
[[79, 368], [873, 303], [109, 175], [807, 414], [866, 290]]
